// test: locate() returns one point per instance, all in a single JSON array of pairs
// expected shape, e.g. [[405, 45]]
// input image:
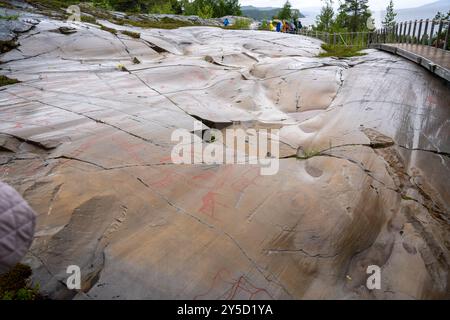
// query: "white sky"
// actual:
[[374, 4]]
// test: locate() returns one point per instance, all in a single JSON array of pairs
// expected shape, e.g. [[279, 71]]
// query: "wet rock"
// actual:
[[89, 146], [66, 30], [377, 139], [9, 30]]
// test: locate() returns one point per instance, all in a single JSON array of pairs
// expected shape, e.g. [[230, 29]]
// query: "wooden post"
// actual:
[[425, 31], [419, 39], [334, 38], [441, 23], [400, 36], [414, 32], [397, 28], [405, 37], [446, 35], [430, 41], [409, 32]]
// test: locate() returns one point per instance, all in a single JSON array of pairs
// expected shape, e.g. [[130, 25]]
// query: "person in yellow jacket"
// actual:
[[271, 26]]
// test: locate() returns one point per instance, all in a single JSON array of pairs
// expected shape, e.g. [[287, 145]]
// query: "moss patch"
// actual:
[[88, 19], [5, 81], [9, 18], [5, 4], [132, 34], [308, 154], [111, 30]]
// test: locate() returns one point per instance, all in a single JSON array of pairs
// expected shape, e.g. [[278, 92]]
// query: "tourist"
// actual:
[[279, 26], [271, 26], [226, 22]]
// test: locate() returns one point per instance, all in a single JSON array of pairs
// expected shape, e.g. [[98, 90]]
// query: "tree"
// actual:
[[145, 6], [324, 20], [441, 36], [286, 12], [212, 8], [296, 14], [389, 19], [354, 14]]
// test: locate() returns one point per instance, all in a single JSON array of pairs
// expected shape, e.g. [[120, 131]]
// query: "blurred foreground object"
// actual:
[[17, 222]]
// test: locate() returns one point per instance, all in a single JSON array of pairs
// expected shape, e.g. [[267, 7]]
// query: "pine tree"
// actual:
[[286, 12], [354, 15], [324, 20], [389, 19]]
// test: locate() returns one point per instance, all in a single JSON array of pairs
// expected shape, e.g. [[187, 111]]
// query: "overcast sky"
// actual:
[[374, 4]]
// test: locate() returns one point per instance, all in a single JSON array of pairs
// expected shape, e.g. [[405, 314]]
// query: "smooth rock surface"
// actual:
[[89, 146]]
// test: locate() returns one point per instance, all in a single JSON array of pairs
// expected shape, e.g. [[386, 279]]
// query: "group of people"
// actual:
[[285, 26]]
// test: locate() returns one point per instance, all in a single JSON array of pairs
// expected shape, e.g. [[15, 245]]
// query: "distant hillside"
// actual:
[[258, 13], [427, 11], [438, 5]]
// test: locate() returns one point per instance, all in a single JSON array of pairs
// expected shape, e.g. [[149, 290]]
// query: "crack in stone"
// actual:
[[252, 262], [90, 118], [302, 251]]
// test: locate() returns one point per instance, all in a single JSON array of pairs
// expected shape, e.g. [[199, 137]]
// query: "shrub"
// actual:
[[14, 284], [132, 34], [111, 30], [240, 24], [89, 19], [340, 51]]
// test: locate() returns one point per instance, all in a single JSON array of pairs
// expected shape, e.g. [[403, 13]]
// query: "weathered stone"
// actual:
[[89, 146]]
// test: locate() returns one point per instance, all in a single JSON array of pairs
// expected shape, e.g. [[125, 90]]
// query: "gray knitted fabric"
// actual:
[[17, 222]]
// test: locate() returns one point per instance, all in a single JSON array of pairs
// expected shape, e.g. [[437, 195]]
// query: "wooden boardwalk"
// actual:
[[434, 59]]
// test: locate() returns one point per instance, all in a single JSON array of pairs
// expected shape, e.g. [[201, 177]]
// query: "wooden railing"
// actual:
[[348, 39], [425, 32]]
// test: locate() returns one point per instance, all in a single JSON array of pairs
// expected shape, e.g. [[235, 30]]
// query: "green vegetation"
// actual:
[[202, 8], [5, 81], [165, 23], [307, 154], [264, 14], [324, 21], [14, 284], [9, 18], [240, 24], [341, 51], [352, 16], [111, 30], [389, 19], [55, 4], [264, 26], [131, 34], [88, 19], [5, 4], [441, 36], [212, 8]]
